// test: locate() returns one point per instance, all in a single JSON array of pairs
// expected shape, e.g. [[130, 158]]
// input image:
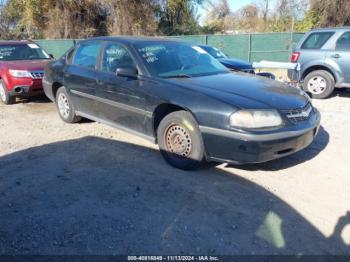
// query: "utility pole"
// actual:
[[291, 26]]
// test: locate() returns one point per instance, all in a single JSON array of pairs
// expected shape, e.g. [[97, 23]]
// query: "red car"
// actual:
[[21, 69]]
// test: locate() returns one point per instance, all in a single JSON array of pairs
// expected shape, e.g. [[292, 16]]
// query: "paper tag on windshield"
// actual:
[[198, 49], [34, 46]]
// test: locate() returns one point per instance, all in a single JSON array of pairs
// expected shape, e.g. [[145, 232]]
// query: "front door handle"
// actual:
[[336, 56], [100, 82]]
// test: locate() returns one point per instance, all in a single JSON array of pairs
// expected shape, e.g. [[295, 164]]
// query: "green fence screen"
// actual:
[[56, 47], [250, 47]]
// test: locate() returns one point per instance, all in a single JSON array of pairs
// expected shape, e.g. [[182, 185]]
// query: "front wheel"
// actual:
[[65, 107], [5, 97], [320, 84], [180, 140]]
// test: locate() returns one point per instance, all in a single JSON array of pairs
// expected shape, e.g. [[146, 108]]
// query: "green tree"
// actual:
[[27, 15], [177, 17], [86, 18]]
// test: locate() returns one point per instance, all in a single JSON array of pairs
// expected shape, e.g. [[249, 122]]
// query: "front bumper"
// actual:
[[26, 87], [47, 87], [242, 148], [294, 75]]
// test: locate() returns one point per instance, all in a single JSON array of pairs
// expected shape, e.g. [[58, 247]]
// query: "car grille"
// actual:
[[299, 115], [37, 74]]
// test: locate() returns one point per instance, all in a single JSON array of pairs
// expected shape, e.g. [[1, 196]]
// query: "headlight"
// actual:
[[255, 119], [20, 73]]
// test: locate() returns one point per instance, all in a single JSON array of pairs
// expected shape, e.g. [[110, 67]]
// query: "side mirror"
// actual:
[[127, 71], [51, 56]]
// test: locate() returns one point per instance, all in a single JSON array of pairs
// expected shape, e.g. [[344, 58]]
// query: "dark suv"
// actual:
[[324, 57]]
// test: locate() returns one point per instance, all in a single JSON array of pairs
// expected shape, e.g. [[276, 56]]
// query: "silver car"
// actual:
[[324, 57]]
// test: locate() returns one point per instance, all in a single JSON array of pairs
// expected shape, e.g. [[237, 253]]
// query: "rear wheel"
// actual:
[[180, 140], [320, 84], [65, 107], [5, 97]]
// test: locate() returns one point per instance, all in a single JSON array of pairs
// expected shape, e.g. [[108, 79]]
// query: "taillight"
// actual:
[[295, 57]]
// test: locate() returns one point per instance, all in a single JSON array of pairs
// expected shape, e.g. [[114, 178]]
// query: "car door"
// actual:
[[341, 55], [80, 77], [122, 100]]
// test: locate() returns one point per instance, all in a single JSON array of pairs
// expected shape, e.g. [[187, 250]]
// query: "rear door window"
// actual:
[[316, 40], [343, 43], [87, 55]]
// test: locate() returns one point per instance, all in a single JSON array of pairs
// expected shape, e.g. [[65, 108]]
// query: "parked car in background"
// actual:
[[177, 95], [324, 58], [233, 64], [21, 69]]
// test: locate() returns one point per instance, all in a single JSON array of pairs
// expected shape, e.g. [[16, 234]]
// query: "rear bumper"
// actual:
[[241, 148]]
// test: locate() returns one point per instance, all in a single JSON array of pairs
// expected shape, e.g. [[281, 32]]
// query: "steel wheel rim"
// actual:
[[178, 140], [63, 105], [317, 85], [2, 92]]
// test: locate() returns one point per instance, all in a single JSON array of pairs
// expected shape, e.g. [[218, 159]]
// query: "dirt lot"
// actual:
[[90, 189]]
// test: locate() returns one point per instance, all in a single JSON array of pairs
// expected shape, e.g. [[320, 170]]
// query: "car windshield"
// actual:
[[22, 52], [172, 59], [214, 52]]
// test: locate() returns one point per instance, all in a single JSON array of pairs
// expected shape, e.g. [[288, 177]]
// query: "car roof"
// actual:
[[133, 39], [15, 42], [332, 28]]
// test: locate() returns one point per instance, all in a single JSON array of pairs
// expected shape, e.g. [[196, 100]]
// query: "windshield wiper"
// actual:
[[179, 76]]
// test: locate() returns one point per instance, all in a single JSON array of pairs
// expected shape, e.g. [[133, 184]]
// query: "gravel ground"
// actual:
[[90, 189]]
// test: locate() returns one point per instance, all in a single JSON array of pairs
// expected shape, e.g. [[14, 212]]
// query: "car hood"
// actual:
[[235, 63], [30, 65], [247, 91]]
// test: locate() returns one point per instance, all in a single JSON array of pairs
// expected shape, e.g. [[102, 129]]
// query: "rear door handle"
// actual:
[[336, 56]]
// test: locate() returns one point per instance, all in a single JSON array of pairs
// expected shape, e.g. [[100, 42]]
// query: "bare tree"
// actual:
[[219, 16], [265, 9], [330, 12], [131, 17], [249, 18]]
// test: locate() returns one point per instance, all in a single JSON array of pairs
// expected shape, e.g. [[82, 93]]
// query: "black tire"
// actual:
[[69, 115], [181, 125], [5, 97], [322, 92]]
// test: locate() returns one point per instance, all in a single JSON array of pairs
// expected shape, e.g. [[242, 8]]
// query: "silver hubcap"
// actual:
[[317, 85], [2, 92], [63, 105]]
